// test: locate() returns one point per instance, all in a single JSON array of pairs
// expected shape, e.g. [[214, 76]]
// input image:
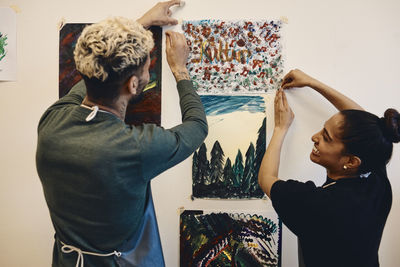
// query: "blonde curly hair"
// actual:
[[113, 44]]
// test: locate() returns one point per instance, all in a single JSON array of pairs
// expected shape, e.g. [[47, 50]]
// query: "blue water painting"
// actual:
[[218, 105]]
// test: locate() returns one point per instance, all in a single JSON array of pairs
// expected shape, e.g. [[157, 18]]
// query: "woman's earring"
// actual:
[[344, 167]]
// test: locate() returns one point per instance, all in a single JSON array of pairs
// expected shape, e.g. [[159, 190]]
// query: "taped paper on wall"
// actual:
[[8, 44]]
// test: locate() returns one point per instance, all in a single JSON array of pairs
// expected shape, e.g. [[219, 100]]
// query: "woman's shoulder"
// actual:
[[376, 178]]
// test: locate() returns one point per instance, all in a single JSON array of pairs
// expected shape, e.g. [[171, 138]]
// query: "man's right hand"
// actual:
[[159, 15], [177, 54]]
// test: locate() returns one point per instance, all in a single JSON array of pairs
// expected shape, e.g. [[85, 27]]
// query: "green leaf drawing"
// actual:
[[3, 44]]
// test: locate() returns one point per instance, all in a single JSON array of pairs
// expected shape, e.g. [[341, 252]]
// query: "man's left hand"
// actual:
[[159, 15]]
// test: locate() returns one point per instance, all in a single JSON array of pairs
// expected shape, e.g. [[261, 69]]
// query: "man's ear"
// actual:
[[133, 84]]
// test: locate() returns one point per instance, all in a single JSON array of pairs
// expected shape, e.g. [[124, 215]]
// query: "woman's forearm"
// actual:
[[283, 116], [297, 78], [337, 99], [268, 173]]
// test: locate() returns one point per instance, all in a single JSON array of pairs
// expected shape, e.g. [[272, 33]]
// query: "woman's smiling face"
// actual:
[[329, 150]]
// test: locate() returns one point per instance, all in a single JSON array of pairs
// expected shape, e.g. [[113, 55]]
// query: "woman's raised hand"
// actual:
[[296, 78], [283, 113]]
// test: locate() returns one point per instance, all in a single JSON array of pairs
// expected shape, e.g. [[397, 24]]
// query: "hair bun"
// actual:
[[391, 120]]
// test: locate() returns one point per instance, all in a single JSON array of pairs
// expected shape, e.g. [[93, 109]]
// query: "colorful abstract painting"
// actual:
[[148, 108], [231, 57], [226, 165], [8, 44], [229, 239]]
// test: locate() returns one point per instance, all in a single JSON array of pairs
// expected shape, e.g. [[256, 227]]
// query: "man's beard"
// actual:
[[136, 98], [139, 97]]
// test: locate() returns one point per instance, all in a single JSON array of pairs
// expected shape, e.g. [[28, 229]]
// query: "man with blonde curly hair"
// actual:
[[108, 54], [95, 169]]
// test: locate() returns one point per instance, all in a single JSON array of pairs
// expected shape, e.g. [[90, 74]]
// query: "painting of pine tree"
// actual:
[[218, 174]]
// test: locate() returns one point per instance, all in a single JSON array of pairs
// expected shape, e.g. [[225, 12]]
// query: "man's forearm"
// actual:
[[191, 106], [181, 74]]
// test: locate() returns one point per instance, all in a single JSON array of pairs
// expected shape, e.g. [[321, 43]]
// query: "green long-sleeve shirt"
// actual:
[[95, 174]]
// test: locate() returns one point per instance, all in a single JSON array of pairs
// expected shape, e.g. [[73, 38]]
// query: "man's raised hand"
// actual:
[[159, 15]]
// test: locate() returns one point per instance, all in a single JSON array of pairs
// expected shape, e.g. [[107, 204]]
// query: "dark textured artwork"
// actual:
[[229, 240], [226, 165], [148, 109]]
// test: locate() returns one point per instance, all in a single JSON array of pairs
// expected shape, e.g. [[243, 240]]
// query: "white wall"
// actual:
[[353, 45]]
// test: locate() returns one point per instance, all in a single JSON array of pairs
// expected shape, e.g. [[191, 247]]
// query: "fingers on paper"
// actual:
[[173, 3], [284, 100], [173, 21], [168, 40], [287, 83], [174, 38], [288, 80], [278, 99]]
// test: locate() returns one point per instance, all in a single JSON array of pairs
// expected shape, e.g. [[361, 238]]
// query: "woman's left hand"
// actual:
[[283, 113], [159, 15]]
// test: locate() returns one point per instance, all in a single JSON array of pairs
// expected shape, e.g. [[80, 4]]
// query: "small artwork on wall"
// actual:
[[238, 57], [230, 239], [8, 44], [148, 108], [226, 165]]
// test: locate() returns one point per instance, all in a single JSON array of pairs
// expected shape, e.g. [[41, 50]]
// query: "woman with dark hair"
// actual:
[[340, 223]]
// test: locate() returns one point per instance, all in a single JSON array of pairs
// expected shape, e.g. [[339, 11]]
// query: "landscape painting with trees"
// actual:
[[226, 165]]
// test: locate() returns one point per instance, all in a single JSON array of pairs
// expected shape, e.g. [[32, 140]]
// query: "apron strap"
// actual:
[[68, 249]]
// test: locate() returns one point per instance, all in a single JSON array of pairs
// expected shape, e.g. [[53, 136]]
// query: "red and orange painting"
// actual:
[[148, 109]]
